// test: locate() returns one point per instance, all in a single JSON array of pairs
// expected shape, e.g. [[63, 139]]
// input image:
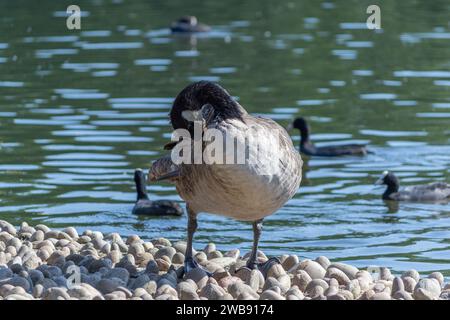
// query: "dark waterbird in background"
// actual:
[[145, 207], [188, 24], [436, 191], [308, 148]]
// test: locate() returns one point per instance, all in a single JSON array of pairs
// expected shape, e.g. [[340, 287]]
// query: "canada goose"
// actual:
[[308, 148], [188, 24], [244, 192], [428, 192], [145, 207]]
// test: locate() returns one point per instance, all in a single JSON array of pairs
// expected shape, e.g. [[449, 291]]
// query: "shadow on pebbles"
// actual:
[[40, 263]]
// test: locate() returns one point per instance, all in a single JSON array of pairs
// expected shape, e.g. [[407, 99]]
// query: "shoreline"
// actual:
[[37, 262]]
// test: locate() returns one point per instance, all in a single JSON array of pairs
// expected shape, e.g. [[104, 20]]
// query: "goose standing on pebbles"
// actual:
[[308, 148], [243, 191], [145, 207], [436, 191]]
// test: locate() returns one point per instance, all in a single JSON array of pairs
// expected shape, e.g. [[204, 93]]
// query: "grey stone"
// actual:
[[165, 251], [212, 292], [337, 274], [187, 291], [315, 270], [401, 294], [430, 285], [438, 276], [290, 261], [55, 294], [98, 264], [349, 270], [152, 267], [72, 232], [47, 283], [5, 273], [17, 281], [106, 286], [236, 289], [380, 296], [120, 273], [199, 276], [140, 281], [301, 279], [411, 273], [397, 285], [314, 283], [271, 295]]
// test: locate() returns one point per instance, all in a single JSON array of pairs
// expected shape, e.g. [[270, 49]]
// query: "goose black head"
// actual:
[[388, 178], [302, 125], [196, 95], [139, 180]]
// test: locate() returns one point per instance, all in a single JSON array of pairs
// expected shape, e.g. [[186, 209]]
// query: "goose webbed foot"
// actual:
[[264, 267], [190, 264]]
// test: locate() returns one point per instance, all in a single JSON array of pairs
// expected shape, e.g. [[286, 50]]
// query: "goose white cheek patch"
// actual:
[[198, 115]]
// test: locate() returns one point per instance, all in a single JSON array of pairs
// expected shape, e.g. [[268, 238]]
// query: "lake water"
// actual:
[[79, 110]]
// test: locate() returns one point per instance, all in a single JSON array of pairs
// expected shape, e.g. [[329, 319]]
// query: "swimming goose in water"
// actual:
[[145, 207], [308, 148], [245, 191], [188, 24], [429, 192]]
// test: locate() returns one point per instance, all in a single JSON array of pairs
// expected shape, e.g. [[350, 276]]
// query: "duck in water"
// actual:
[[243, 191], [188, 24], [308, 148], [436, 191], [145, 207]]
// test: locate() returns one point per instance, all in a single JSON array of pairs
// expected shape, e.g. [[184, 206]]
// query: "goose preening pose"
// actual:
[[188, 24], [243, 191], [145, 207], [436, 191], [308, 148]]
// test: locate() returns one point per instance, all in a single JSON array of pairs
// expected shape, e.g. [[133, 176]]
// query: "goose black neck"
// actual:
[[392, 187], [139, 179]]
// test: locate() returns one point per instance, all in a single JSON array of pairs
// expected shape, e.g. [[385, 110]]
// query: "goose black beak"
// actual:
[[168, 176]]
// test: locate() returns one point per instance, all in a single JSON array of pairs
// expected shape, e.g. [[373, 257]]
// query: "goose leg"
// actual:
[[251, 262], [189, 262], [257, 229]]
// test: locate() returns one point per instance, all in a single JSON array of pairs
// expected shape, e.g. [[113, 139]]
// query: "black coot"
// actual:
[[188, 24], [436, 191], [144, 206], [308, 148]]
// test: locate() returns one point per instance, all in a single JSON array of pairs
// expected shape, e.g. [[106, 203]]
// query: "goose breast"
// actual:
[[245, 191]]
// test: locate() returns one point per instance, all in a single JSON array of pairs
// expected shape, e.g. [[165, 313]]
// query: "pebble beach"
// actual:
[[37, 262]]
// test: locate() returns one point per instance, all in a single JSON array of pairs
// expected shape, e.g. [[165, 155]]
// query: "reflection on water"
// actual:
[[79, 110]]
